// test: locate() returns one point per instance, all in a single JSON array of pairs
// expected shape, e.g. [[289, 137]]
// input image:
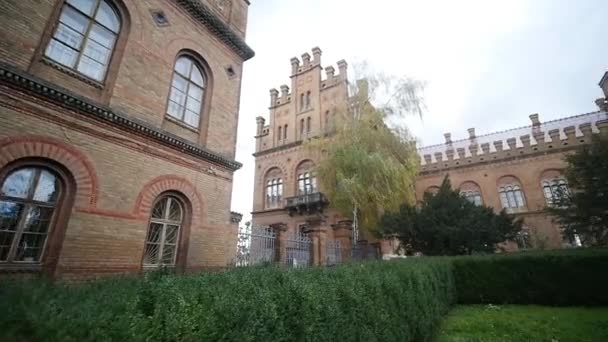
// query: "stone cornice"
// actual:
[[205, 16], [25, 82], [278, 148]]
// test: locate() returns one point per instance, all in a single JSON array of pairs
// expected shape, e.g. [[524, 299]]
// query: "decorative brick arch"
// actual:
[[279, 166], [79, 165], [161, 184]]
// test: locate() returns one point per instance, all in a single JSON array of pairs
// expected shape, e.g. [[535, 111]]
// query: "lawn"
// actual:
[[514, 323]]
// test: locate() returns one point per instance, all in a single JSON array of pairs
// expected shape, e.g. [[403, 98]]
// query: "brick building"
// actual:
[[516, 169], [118, 127]]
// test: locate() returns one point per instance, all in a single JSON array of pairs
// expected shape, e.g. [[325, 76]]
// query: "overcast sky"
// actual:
[[487, 64]]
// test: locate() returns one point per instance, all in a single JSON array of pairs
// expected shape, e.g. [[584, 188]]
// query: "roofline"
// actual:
[[509, 130], [201, 13], [604, 79]]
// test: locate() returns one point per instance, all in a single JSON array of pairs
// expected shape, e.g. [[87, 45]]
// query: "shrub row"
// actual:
[[574, 277], [390, 301]]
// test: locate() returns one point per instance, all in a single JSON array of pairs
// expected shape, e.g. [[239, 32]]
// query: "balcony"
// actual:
[[306, 203]]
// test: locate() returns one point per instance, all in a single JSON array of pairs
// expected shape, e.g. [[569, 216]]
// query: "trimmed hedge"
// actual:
[[569, 277], [401, 300], [379, 301]]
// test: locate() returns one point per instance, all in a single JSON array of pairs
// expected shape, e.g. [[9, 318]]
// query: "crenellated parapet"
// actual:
[[304, 65], [538, 138]]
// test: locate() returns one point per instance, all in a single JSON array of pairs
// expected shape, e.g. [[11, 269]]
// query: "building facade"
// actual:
[[117, 134], [287, 195], [517, 169]]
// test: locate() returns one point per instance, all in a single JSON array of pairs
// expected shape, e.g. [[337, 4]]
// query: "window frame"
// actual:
[[58, 222], [198, 62], [273, 193], [91, 21], [507, 194], [550, 185], [180, 233]]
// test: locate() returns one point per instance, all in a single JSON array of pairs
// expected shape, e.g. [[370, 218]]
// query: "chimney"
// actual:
[[448, 138], [472, 133], [273, 96], [295, 64], [535, 119], [342, 66], [316, 53], [284, 90], [260, 121], [330, 71], [305, 60]]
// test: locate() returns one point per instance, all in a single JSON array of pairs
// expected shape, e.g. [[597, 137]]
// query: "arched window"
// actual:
[[433, 190], [308, 124], [28, 200], [280, 135], [285, 133], [307, 180], [85, 36], [554, 190], [274, 188], [327, 128], [163, 232], [472, 196], [301, 127], [187, 91], [302, 102], [308, 100], [471, 192], [511, 196]]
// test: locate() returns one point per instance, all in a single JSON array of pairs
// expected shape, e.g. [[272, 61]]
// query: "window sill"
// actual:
[[72, 73], [181, 123], [20, 267]]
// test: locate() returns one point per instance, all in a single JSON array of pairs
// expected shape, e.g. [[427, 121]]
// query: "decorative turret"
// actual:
[[343, 66], [260, 121], [305, 60], [295, 65], [274, 94], [602, 103], [316, 53]]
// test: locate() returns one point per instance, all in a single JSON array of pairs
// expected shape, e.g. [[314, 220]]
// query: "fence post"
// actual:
[[319, 239], [343, 233], [281, 242]]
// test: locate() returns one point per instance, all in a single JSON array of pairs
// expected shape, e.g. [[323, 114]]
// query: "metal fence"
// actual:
[[260, 245], [298, 250], [333, 252], [256, 245]]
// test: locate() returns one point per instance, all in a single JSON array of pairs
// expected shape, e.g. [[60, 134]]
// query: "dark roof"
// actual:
[[205, 16]]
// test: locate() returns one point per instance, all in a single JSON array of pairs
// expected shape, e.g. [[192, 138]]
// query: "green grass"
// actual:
[[512, 323]]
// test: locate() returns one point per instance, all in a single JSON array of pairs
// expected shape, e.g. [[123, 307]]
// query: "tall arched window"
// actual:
[[554, 190], [28, 200], [280, 135], [163, 232], [307, 180], [285, 133], [301, 127], [511, 196], [187, 91], [308, 124], [471, 192], [274, 188], [308, 99], [85, 36]]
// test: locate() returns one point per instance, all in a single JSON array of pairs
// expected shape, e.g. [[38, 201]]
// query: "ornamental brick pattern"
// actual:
[[113, 138]]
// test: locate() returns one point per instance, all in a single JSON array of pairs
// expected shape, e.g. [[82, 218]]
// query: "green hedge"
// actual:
[[401, 300], [575, 277], [390, 301]]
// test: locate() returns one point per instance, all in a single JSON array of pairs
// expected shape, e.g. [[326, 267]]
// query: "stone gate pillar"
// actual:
[[280, 229], [343, 232]]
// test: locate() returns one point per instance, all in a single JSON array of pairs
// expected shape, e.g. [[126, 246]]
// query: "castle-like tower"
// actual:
[[287, 195]]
